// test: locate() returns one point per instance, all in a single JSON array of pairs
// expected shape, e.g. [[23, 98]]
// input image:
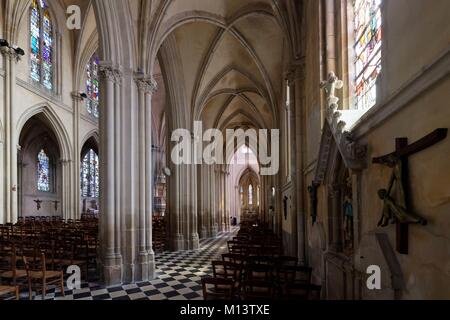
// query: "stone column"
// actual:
[[204, 210], [11, 139], [111, 257], [297, 81], [76, 102], [192, 217], [227, 199], [146, 260], [212, 201]]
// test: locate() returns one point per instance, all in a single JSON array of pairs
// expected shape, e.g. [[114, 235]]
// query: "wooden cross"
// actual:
[[402, 152]]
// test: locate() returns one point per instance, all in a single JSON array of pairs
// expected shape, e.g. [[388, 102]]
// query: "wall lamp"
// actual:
[[4, 44]]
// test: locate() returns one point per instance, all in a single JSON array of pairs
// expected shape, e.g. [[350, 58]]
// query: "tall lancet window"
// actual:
[[241, 193], [92, 86], [43, 172], [250, 195], [41, 44], [367, 46], [90, 175]]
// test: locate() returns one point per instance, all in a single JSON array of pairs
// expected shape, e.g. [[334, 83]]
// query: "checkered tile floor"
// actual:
[[178, 277]]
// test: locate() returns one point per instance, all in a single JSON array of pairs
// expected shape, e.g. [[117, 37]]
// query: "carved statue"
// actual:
[[348, 218], [395, 210], [313, 200]]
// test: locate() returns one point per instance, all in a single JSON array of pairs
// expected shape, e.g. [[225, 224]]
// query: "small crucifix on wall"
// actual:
[[397, 207]]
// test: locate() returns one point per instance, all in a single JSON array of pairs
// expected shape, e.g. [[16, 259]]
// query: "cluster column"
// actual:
[[11, 140], [110, 214], [146, 88]]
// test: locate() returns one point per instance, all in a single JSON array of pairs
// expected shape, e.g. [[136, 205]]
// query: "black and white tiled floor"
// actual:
[[178, 277]]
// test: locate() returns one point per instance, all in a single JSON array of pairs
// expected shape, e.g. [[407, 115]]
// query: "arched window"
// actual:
[[90, 175], [250, 195], [241, 192], [367, 47], [43, 172], [41, 44], [92, 86]]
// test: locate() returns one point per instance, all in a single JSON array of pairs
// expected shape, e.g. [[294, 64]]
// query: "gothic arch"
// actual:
[[17, 11], [55, 124], [93, 136]]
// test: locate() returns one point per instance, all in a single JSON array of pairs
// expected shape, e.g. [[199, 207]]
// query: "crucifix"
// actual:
[[397, 208]]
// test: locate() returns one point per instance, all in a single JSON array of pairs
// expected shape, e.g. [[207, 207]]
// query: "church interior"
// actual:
[[353, 95]]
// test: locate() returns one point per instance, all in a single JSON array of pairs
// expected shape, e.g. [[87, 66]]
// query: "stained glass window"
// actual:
[[90, 175], [368, 39], [250, 195], [92, 86], [43, 172], [41, 44]]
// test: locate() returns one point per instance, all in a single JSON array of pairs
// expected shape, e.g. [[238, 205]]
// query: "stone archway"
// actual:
[[41, 186]]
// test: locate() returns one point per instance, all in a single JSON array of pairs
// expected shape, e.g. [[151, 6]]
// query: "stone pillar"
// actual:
[[227, 200], [146, 260], [111, 255], [11, 139], [194, 240], [76, 102], [204, 210], [212, 205], [297, 81]]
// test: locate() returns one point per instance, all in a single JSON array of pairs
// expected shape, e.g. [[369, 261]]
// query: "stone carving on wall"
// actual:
[[337, 127]]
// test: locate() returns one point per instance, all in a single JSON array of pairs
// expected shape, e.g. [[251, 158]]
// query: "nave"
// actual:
[[126, 119]]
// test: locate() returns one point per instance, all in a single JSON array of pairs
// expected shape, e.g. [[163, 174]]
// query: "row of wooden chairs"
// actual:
[[34, 255], [255, 268]]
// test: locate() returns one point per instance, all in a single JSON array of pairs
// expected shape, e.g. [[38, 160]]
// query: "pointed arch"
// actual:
[[55, 124]]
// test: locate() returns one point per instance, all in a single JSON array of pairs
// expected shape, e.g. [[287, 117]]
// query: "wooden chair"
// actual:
[[8, 290], [257, 290], [302, 291], [286, 261], [298, 274], [12, 274], [259, 272], [235, 258], [217, 289], [41, 278]]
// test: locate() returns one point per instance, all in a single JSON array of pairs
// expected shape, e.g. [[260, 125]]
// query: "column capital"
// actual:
[[110, 73], [146, 83], [295, 70]]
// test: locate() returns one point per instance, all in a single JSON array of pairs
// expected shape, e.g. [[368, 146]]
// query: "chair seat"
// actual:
[[7, 289], [10, 275], [48, 274]]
